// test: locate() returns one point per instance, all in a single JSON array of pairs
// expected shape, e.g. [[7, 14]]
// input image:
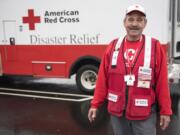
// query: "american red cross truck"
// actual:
[[61, 38]]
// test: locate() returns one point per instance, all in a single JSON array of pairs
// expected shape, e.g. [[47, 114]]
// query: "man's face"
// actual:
[[135, 23]]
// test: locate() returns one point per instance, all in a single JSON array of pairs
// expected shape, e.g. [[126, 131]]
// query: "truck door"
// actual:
[[175, 29], [9, 32], [9, 39]]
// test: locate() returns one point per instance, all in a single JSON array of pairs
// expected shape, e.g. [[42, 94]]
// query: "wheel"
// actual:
[[86, 78]]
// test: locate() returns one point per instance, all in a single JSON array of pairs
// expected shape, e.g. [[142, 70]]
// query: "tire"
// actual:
[[86, 78]]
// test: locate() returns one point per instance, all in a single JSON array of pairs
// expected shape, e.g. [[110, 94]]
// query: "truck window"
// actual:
[[178, 12], [170, 10]]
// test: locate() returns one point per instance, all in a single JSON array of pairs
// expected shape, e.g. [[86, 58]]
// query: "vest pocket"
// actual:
[[139, 106], [115, 80], [115, 102]]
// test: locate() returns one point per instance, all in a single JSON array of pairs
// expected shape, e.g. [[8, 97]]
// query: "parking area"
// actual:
[[42, 116]]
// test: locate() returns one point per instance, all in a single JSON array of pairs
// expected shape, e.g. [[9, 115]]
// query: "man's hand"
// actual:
[[92, 114], [164, 121]]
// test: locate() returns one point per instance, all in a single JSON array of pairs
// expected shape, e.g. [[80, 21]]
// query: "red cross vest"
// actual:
[[134, 100]]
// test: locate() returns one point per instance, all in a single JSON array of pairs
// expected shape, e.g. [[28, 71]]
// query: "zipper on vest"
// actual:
[[126, 96]]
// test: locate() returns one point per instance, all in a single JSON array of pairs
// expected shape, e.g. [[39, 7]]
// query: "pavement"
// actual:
[[62, 113]]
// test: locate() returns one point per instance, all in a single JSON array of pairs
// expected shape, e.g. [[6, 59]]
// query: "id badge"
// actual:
[[144, 73], [114, 58], [130, 83], [129, 79], [143, 84], [112, 97], [145, 70], [141, 102]]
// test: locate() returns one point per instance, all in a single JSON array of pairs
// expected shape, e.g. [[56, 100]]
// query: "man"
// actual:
[[133, 78]]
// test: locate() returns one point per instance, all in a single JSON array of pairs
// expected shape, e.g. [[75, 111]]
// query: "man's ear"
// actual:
[[124, 21], [145, 22]]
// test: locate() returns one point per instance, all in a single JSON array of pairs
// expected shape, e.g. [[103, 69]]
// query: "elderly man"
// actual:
[[133, 78]]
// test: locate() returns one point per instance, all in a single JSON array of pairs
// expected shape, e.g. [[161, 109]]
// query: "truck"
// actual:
[[61, 38]]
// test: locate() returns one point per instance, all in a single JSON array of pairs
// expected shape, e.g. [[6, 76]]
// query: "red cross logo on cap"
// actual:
[[31, 19]]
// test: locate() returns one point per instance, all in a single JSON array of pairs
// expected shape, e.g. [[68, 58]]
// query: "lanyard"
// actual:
[[131, 61], [136, 55]]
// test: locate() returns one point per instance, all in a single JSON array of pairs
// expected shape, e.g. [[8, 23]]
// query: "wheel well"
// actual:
[[87, 60]]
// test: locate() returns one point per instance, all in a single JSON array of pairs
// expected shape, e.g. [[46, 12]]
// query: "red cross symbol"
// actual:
[[31, 19], [131, 55]]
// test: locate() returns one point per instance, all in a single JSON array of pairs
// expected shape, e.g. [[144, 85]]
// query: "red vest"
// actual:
[[136, 101]]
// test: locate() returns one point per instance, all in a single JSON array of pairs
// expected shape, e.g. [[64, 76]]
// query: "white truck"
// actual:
[[60, 38]]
